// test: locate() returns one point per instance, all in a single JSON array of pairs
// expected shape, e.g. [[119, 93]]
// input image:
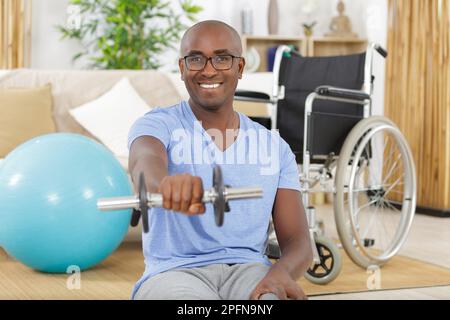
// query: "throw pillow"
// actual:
[[110, 116], [24, 114]]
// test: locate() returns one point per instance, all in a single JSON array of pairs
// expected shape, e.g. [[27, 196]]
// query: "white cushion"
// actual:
[[257, 81], [110, 116], [3, 73], [179, 85]]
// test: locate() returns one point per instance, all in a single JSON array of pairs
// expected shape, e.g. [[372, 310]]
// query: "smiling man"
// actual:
[[187, 256]]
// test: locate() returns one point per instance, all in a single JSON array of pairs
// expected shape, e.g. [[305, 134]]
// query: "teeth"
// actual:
[[209, 86]]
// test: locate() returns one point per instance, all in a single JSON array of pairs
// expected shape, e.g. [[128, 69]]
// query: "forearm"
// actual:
[[296, 256], [291, 227], [154, 169], [148, 156]]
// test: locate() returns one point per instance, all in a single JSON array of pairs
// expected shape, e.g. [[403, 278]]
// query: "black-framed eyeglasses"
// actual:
[[197, 62]]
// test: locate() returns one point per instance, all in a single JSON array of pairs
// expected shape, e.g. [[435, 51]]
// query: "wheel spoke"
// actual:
[[325, 267], [391, 206], [386, 231], [372, 172], [316, 266], [365, 206], [387, 185], [371, 220], [388, 160], [394, 184], [397, 192], [391, 171], [328, 256]]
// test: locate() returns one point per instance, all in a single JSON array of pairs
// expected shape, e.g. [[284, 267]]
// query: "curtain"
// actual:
[[418, 91], [15, 33]]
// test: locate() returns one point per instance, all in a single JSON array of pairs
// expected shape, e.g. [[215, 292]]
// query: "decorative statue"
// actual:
[[341, 26]]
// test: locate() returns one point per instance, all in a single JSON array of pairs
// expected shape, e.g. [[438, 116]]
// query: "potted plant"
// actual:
[[127, 34], [308, 28]]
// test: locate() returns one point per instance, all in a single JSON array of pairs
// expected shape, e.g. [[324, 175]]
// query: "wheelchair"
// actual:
[[322, 107]]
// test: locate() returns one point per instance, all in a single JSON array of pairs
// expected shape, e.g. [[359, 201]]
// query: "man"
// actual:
[[187, 256]]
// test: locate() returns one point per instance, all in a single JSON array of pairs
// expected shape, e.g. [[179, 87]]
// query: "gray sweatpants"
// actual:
[[212, 282]]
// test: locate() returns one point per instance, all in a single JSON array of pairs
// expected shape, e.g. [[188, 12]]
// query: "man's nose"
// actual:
[[209, 69]]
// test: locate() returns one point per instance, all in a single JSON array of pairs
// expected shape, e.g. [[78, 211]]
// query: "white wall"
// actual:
[[47, 50], [376, 22], [292, 14], [50, 53], [369, 19]]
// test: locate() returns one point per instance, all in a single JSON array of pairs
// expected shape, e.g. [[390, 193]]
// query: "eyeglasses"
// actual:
[[198, 62]]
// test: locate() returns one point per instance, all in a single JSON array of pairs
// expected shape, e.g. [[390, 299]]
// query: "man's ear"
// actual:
[[181, 67], [241, 67]]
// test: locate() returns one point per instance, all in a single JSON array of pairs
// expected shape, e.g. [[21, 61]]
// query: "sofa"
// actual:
[[71, 89]]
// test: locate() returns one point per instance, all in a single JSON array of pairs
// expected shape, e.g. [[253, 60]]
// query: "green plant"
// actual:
[[128, 34], [308, 28]]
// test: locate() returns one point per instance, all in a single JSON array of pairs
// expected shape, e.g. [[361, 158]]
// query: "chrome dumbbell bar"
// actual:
[[219, 196], [156, 199]]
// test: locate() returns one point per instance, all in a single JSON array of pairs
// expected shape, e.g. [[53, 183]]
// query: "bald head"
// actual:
[[213, 28]]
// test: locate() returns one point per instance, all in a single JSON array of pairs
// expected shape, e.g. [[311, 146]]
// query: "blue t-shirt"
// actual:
[[257, 158]]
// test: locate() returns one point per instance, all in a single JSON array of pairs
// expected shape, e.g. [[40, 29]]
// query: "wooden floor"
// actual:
[[113, 279], [428, 241]]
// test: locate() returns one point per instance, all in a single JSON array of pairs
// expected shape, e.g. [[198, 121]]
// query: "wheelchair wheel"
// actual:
[[375, 195], [330, 262]]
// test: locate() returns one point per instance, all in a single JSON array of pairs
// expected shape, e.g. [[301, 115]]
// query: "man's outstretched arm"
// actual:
[[148, 155], [181, 193]]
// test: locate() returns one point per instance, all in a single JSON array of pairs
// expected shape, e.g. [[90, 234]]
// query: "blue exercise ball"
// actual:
[[49, 188]]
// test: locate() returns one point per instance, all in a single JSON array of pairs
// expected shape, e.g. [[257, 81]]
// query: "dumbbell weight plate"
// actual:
[[220, 205], [143, 206], [135, 216], [143, 202]]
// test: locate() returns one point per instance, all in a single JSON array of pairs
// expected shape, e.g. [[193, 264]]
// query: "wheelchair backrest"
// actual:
[[331, 121]]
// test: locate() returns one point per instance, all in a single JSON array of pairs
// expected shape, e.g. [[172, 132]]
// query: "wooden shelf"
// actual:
[[262, 43], [326, 46]]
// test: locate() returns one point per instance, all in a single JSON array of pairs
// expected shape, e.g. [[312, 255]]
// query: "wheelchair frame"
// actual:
[[311, 175]]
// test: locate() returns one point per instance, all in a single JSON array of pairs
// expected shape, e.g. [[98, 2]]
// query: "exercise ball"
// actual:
[[49, 188]]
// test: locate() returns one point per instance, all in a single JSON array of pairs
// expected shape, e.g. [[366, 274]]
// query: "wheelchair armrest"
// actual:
[[334, 92], [254, 96]]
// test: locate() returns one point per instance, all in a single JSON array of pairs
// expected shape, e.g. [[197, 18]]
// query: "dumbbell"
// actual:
[[218, 195]]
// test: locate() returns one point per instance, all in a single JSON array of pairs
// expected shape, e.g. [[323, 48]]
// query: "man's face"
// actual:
[[210, 88]]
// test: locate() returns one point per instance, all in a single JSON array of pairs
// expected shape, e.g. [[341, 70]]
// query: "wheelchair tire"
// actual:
[[360, 177], [330, 262]]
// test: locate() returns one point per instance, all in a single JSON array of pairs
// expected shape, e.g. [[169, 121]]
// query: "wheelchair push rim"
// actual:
[[375, 192]]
